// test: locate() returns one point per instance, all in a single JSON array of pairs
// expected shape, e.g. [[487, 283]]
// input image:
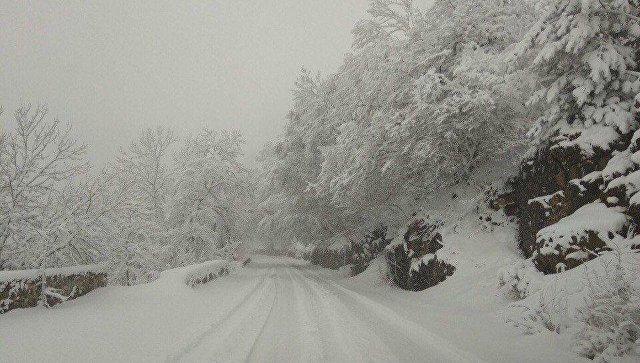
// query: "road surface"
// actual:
[[294, 313], [277, 310]]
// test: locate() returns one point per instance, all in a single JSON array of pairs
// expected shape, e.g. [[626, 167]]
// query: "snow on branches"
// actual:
[[424, 98], [143, 213], [585, 53]]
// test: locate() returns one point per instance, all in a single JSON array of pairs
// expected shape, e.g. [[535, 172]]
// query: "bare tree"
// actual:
[[36, 158], [145, 164]]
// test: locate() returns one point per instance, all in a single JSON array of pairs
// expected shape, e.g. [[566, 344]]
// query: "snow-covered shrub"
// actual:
[[548, 311], [609, 322], [332, 255], [300, 250], [132, 265], [519, 280], [367, 249]]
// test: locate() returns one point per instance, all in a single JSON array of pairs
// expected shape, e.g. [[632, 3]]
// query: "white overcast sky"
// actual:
[[114, 67]]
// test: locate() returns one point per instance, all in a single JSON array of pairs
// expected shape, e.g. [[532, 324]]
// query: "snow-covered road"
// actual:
[[275, 310], [292, 314]]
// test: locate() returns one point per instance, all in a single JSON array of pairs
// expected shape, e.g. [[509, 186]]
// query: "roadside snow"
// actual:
[[35, 273]]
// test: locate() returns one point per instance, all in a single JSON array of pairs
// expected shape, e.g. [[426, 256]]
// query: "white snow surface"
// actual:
[[281, 309], [594, 216], [278, 310], [590, 138], [35, 273]]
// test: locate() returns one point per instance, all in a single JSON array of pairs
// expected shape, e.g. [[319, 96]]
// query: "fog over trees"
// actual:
[[490, 147], [162, 203]]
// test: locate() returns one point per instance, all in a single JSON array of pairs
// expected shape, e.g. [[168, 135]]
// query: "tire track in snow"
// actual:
[[354, 339], [252, 350], [244, 301], [329, 334], [441, 349], [238, 338], [309, 337]]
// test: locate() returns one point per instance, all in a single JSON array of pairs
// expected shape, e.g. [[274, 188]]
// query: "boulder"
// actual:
[[579, 237], [413, 264]]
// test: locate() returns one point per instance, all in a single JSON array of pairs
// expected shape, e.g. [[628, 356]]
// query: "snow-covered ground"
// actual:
[[278, 310]]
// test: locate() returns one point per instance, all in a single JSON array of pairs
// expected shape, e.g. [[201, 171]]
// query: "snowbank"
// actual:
[[36, 273], [202, 273], [595, 305]]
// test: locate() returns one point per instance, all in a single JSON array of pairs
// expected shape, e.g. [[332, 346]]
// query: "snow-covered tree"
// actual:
[[586, 56], [422, 111], [40, 220], [142, 175], [389, 19], [425, 98], [144, 165], [289, 208], [210, 199]]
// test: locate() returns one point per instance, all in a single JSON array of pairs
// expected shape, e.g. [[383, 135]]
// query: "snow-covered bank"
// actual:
[[35, 273], [207, 271], [142, 323], [469, 308], [279, 310]]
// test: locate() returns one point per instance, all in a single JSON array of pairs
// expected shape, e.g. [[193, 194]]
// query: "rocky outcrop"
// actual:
[[429, 272], [579, 177], [579, 237], [414, 263], [545, 193]]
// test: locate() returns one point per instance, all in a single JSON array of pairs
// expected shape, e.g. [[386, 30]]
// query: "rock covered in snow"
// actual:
[[579, 237], [414, 263]]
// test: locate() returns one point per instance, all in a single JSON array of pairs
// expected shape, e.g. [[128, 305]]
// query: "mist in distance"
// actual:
[[115, 68]]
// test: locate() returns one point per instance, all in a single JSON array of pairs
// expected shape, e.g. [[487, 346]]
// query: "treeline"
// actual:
[[422, 100], [427, 96], [161, 203]]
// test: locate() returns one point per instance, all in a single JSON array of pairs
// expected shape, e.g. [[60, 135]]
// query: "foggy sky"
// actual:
[[112, 68]]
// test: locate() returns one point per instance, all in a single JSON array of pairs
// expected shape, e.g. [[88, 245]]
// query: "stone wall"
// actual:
[[27, 288], [205, 272]]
